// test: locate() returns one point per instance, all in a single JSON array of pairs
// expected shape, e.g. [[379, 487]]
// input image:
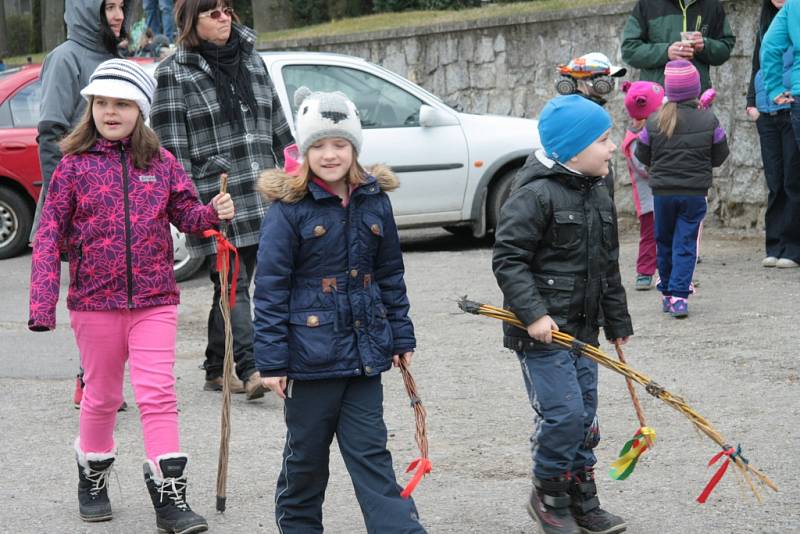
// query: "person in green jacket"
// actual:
[[652, 37]]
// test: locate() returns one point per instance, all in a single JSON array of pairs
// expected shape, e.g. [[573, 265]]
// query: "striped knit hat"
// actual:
[[121, 78], [681, 81]]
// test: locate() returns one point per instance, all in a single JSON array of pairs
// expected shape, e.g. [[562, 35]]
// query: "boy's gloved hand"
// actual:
[[541, 329], [223, 204]]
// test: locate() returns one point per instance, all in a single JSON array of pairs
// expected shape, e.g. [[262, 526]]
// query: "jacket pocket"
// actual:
[[600, 318], [212, 168], [314, 228], [78, 264], [556, 290], [379, 331], [607, 219], [312, 340], [567, 228], [372, 230], [314, 242]]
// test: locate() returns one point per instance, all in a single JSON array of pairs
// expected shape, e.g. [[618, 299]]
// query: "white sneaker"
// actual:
[[769, 261], [785, 263]]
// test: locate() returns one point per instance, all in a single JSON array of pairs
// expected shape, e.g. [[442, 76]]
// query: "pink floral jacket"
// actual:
[[112, 221]]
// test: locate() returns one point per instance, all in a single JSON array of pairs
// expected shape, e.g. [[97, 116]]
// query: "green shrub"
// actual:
[[244, 8], [20, 34], [449, 4], [310, 11], [36, 36], [395, 5]]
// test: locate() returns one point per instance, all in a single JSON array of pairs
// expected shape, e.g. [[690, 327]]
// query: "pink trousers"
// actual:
[[646, 260], [145, 338]]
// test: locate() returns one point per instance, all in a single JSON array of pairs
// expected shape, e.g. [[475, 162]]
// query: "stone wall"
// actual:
[[507, 66]]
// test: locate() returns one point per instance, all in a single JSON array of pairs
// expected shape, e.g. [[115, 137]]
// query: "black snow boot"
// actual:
[[93, 471], [549, 506], [586, 509], [168, 493]]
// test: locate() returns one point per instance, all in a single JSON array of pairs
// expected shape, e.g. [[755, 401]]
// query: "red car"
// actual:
[[20, 174]]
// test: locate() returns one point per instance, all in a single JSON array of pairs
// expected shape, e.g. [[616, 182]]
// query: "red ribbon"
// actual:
[[224, 250], [729, 453], [423, 466]]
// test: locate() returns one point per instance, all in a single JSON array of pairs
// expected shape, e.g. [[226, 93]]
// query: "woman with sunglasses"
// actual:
[[217, 111]]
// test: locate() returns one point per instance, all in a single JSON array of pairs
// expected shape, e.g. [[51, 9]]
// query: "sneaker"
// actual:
[[679, 308], [643, 282], [215, 384], [254, 389], [786, 263], [666, 304], [77, 395], [769, 261]]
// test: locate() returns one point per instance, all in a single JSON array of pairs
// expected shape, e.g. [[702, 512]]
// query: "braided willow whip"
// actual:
[[634, 397], [227, 367], [422, 464], [420, 415], [676, 402]]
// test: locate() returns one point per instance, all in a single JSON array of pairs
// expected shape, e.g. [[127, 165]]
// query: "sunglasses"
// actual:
[[216, 14]]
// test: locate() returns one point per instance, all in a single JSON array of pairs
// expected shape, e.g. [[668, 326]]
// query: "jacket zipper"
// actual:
[[128, 259], [588, 282]]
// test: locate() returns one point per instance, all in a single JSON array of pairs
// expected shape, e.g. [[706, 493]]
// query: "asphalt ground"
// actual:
[[734, 360]]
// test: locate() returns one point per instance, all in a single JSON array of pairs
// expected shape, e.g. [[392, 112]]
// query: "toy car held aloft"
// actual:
[[597, 73]]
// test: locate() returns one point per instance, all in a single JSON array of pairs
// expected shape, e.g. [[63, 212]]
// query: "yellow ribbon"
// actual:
[[623, 466]]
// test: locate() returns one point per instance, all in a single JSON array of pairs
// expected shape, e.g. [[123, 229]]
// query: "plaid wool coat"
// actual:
[[187, 118]]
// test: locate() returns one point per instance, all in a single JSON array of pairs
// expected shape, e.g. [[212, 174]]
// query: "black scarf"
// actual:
[[231, 77]]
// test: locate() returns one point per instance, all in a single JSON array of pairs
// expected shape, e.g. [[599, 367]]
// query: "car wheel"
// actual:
[[16, 219], [185, 265], [498, 195]]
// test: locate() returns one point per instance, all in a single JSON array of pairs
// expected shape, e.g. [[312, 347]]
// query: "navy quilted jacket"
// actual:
[[330, 297]]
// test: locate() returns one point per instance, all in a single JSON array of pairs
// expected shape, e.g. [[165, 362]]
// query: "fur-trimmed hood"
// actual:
[[275, 185]]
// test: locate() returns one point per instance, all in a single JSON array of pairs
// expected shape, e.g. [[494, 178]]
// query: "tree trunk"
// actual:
[[53, 30], [3, 30]]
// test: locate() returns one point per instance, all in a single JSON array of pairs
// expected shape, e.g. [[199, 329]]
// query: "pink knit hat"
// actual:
[[681, 81], [642, 98]]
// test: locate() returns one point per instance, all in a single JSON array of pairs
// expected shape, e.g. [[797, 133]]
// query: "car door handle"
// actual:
[[13, 146]]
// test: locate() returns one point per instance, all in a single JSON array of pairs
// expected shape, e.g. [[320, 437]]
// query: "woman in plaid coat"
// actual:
[[216, 110]]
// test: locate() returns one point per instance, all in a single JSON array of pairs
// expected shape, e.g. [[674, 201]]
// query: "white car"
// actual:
[[455, 168]]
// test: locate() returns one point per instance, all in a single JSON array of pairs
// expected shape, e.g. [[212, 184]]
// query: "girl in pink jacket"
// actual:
[[109, 206], [642, 99]]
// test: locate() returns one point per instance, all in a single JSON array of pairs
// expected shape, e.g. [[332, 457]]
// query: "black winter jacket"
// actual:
[[682, 164], [556, 253]]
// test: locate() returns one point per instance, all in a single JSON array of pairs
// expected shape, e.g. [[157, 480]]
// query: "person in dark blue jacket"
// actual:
[[331, 315]]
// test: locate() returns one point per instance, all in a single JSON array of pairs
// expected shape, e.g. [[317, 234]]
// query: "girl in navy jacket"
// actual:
[[331, 314]]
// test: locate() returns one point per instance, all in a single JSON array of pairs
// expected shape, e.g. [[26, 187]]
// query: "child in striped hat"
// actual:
[[109, 207], [681, 144]]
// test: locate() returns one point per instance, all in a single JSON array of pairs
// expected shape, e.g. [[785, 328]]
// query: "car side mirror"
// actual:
[[430, 117]]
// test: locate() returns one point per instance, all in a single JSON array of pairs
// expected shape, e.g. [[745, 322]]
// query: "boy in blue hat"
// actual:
[[556, 261]]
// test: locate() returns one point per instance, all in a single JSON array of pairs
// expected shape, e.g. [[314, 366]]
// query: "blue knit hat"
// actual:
[[570, 123]]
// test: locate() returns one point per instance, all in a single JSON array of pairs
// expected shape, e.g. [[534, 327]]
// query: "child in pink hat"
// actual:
[[641, 100]]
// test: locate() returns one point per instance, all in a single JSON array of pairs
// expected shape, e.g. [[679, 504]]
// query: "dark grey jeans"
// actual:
[[780, 153], [241, 319]]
